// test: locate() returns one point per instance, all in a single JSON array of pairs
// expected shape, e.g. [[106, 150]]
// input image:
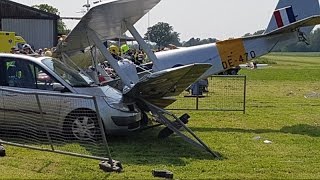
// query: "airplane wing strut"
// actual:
[[176, 125], [114, 63], [142, 43]]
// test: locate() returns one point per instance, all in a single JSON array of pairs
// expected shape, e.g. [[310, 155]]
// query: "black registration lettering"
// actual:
[[241, 58], [225, 65], [253, 54]]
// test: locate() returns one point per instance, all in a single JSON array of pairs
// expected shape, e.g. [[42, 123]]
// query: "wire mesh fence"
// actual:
[[223, 93], [66, 124]]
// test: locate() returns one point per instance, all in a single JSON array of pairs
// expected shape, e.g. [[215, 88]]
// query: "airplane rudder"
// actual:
[[290, 11]]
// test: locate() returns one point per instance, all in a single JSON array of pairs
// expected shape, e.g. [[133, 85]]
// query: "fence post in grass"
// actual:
[[104, 138], [245, 94], [197, 102], [44, 122]]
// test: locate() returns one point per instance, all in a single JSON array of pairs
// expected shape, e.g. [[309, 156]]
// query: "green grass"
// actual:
[[276, 110], [264, 60]]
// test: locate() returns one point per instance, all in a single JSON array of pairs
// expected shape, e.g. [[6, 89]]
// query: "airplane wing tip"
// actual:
[[106, 20]]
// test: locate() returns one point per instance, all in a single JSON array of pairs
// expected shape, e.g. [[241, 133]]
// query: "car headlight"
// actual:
[[116, 104]]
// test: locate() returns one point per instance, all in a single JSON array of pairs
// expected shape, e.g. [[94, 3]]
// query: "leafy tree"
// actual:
[[247, 35], [313, 39], [162, 34], [62, 28], [259, 32], [192, 42], [198, 41], [254, 34], [47, 8]]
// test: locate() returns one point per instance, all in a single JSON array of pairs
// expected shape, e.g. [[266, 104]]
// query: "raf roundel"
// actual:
[[284, 16]]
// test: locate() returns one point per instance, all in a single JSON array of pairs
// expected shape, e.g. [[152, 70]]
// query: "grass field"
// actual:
[[277, 110]]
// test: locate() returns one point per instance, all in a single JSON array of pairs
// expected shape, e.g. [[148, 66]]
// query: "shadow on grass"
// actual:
[[145, 148], [302, 129], [139, 148]]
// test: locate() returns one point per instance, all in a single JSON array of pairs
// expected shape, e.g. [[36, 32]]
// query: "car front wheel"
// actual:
[[82, 125]]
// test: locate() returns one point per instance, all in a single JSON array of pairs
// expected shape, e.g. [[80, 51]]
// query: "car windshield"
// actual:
[[69, 74]]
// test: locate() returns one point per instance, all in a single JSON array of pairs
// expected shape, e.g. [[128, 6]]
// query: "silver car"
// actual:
[[48, 75]]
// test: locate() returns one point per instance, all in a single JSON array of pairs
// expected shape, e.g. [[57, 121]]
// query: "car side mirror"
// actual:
[[58, 87]]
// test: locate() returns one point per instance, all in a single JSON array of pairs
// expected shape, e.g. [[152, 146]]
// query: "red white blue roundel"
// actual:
[[284, 16]]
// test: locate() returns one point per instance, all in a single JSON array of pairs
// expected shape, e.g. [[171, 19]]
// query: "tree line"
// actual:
[[163, 35], [313, 44], [313, 40]]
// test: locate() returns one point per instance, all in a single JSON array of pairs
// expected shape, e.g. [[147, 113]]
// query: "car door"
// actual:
[[22, 109], [1, 112], [21, 112], [1, 106], [2, 81], [51, 100]]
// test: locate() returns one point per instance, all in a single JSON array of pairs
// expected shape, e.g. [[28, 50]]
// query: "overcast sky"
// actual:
[[220, 19]]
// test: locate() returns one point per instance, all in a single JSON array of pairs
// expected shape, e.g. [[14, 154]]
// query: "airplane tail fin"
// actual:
[[290, 12]]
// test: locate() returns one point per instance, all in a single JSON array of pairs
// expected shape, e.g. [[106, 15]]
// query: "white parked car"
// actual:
[[48, 75]]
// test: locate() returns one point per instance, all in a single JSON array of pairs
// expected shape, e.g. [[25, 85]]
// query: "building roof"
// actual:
[[13, 10]]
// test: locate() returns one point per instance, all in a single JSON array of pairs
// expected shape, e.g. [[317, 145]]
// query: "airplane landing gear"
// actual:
[[166, 132], [178, 126], [2, 151], [302, 37]]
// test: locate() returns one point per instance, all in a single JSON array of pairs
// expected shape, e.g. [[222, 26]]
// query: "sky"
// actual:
[[221, 19]]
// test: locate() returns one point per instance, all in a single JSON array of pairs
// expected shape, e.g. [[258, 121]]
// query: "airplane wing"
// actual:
[[106, 20], [310, 21], [170, 82]]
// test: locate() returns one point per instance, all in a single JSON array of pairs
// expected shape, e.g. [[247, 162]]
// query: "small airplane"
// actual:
[[292, 20], [173, 71]]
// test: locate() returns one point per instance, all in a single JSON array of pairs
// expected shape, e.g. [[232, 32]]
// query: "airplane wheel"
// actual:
[[225, 73], [144, 119], [2, 151], [234, 72], [82, 125]]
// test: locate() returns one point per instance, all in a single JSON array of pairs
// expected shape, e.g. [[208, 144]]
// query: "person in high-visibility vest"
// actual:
[[115, 52], [124, 49], [127, 53], [114, 49]]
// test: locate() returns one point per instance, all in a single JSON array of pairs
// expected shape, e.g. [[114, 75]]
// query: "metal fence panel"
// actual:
[[1, 106], [49, 122], [225, 93]]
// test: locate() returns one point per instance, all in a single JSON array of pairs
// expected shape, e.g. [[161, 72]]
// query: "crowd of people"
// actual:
[[137, 56], [125, 52], [125, 55], [28, 50], [128, 60]]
